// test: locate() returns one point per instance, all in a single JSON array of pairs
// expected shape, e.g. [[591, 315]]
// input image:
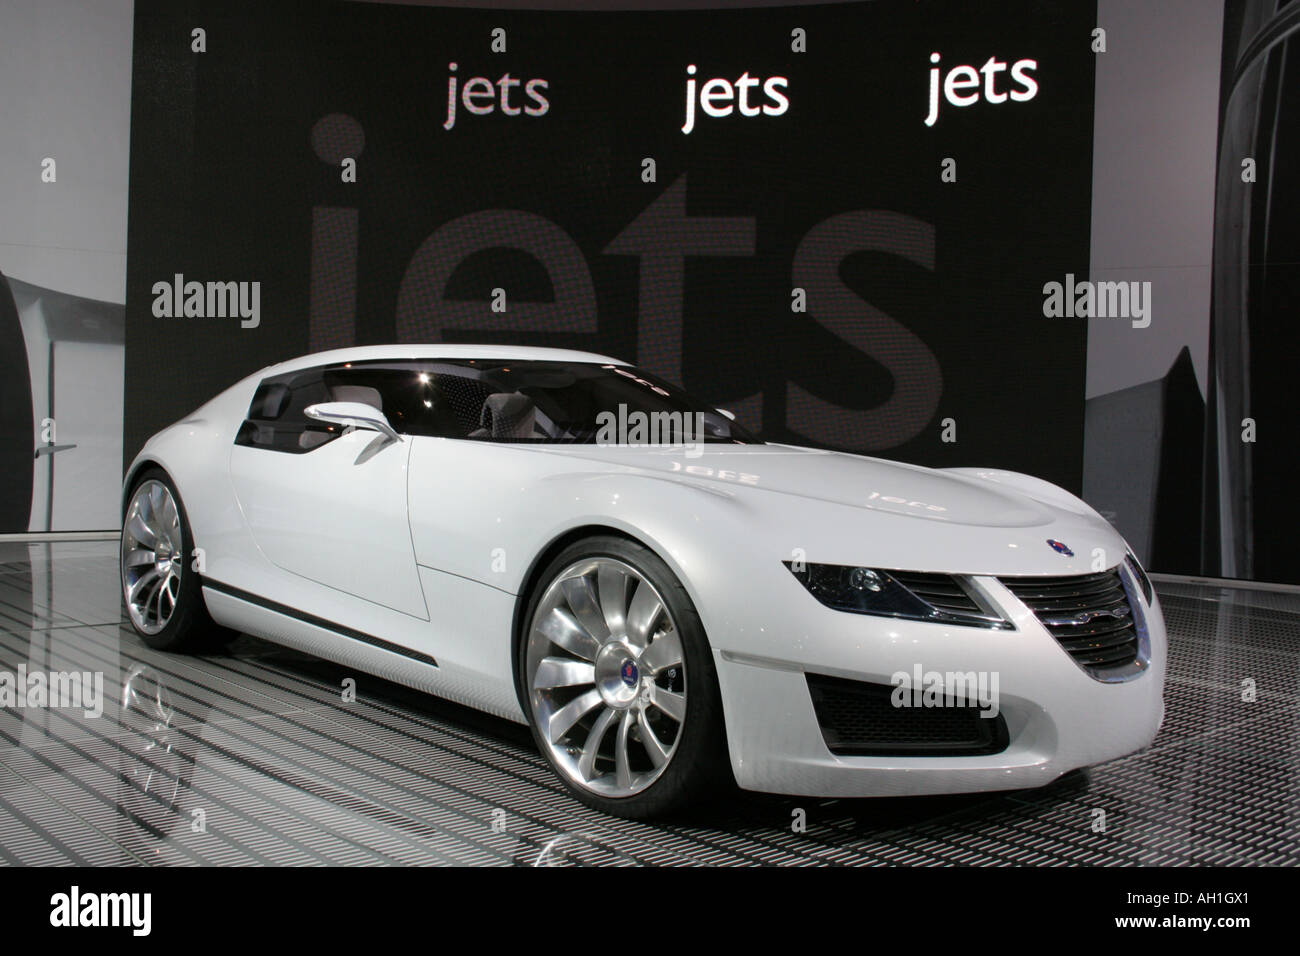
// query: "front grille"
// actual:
[[859, 719], [1088, 614], [938, 590]]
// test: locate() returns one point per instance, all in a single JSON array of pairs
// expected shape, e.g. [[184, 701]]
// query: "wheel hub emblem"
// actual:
[[629, 673]]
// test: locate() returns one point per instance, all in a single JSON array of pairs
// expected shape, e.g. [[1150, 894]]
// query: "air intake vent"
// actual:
[[859, 719], [1089, 614]]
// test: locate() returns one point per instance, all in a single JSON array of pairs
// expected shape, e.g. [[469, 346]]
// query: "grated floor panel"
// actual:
[[260, 762]]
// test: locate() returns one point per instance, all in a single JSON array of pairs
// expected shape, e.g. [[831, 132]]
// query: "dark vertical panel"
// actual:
[[17, 442]]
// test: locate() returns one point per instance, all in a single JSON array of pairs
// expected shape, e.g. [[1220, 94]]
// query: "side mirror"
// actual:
[[353, 415], [727, 413]]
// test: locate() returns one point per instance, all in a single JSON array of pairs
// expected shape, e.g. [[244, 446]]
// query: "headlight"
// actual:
[[873, 591], [1143, 581]]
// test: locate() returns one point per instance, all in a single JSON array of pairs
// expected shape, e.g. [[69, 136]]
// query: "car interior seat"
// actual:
[[506, 415]]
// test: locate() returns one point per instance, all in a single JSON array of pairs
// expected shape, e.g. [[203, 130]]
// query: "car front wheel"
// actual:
[[619, 683]]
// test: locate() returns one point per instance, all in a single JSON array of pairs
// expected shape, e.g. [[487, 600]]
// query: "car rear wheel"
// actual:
[[618, 681], [162, 592]]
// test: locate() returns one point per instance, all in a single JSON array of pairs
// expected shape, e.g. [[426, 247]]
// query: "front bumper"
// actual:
[[1058, 717]]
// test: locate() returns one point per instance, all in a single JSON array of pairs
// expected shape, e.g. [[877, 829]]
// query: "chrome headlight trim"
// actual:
[[1142, 662], [1140, 576]]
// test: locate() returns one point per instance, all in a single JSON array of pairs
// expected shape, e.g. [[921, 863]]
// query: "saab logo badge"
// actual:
[[629, 673], [1060, 547], [1086, 617]]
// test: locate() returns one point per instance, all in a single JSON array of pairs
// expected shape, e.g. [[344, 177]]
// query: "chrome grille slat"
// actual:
[[1091, 633], [1062, 606], [1106, 659], [1063, 593], [1099, 644], [1095, 643]]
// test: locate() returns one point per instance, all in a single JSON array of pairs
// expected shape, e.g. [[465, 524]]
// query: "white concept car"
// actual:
[[561, 539]]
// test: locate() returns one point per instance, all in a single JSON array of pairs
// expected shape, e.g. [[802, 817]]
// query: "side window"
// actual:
[[401, 391], [275, 419], [434, 399], [441, 399], [413, 398]]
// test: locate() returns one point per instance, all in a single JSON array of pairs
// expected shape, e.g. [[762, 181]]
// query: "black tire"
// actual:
[[190, 629], [699, 768]]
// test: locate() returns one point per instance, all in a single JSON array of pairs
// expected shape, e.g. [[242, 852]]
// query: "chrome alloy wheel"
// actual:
[[606, 677], [152, 557]]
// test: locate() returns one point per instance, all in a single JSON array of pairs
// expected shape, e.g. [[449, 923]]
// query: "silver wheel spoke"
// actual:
[[562, 721], [612, 584], [581, 599], [171, 520], [173, 591], [670, 702], [562, 672], [560, 628], [622, 766], [157, 599], [141, 531], [653, 746], [142, 584], [136, 558], [664, 651], [642, 614], [587, 765]]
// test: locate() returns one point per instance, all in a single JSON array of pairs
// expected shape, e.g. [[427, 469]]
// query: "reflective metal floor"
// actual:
[[253, 758]]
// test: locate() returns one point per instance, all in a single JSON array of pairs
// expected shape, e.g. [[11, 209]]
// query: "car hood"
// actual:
[[837, 505], [852, 481]]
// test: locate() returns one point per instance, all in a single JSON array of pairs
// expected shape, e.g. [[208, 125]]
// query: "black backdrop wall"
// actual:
[[924, 297]]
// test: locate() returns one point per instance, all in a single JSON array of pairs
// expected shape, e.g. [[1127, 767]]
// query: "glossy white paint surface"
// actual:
[[336, 515], [429, 544]]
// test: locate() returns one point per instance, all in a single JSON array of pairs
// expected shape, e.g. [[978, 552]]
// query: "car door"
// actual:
[[326, 503]]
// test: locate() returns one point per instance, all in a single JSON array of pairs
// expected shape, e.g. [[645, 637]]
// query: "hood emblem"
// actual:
[[1060, 547]]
